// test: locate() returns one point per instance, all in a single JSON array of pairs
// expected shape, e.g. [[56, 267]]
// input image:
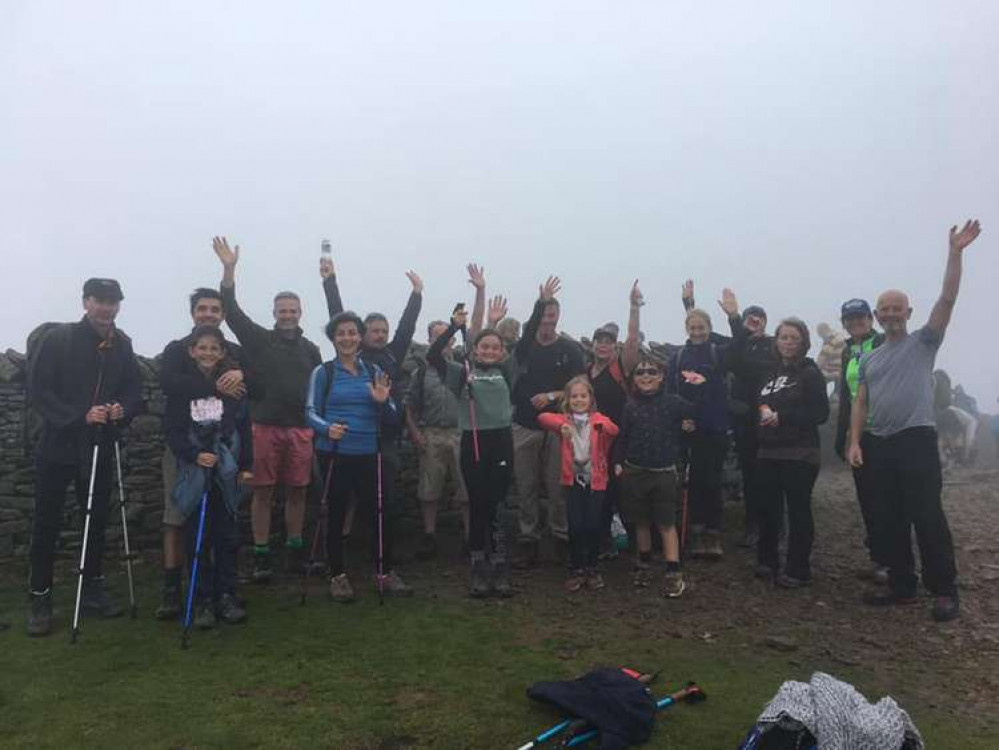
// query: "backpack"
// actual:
[[32, 422]]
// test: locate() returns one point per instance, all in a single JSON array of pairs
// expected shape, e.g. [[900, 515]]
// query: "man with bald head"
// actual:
[[895, 390]]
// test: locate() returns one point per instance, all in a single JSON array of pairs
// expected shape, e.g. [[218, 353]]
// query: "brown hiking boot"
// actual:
[[575, 581], [340, 589]]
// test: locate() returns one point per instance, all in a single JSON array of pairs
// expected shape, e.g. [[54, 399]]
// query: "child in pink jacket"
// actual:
[[586, 438]]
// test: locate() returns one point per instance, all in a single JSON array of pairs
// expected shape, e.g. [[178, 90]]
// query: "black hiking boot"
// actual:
[[169, 608], [501, 576], [97, 601], [262, 567], [946, 608], [230, 611], [428, 548], [478, 576], [40, 616]]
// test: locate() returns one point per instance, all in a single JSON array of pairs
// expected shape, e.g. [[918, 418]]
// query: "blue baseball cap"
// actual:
[[855, 308]]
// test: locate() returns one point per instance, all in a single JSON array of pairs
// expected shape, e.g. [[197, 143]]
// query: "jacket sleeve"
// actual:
[[317, 386], [178, 378], [814, 406], [245, 428], [435, 354], [250, 334], [608, 428], [42, 384], [526, 343], [845, 404], [551, 422], [334, 305], [406, 328], [734, 348], [130, 393]]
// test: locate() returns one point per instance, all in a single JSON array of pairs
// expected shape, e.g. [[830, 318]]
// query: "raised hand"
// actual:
[[416, 281], [550, 288], [326, 268], [229, 257], [497, 310], [476, 276], [729, 303], [635, 297], [968, 234], [381, 388], [687, 292]]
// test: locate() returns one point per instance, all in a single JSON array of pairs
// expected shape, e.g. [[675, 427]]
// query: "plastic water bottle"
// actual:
[[619, 534], [327, 251]]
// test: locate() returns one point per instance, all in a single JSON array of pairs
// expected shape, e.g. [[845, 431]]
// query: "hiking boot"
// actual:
[[478, 583], [673, 584], [393, 585], [229, 610], [40, 617], [764, 572], [712, 546], [340, 589], [262, 567], [427, 549], [946, 608], [880, 575], [527, 555], [610, 553], [594, 581], [641, 574], [204, 617], [169, 608], [887, 599], [786, 581], [501, 577], [575, 581], [97, 601]]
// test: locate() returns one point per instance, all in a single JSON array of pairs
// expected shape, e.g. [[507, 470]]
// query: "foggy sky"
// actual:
[[801, 155]]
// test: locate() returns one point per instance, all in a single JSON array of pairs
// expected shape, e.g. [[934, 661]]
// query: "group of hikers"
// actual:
[[631, 431]]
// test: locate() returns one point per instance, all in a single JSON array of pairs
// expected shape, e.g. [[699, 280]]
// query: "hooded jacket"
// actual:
[[602, 434], [797, 392]]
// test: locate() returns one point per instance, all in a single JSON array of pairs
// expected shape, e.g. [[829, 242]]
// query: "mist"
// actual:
[[800, 155]]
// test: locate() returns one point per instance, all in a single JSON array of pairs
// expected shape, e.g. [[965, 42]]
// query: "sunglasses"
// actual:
[[647, 371]]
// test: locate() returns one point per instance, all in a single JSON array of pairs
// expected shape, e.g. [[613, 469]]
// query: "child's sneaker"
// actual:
[[575, 581], [340, 589], [673, 585], [594, 581]]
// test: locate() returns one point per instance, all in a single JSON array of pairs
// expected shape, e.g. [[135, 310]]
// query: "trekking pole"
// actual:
[[690, 693], [133, 610], [380, 522], [86, 538], [321, 522], [472, 421], [197, 560], [553, 732], [685, 508]]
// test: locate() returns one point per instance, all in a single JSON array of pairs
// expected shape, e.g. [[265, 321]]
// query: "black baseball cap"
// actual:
[[756, 310], [605, 332], [855, 308], [103, 289]]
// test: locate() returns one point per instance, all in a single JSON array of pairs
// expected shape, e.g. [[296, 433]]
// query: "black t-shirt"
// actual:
[[610, 396], [548, 368]]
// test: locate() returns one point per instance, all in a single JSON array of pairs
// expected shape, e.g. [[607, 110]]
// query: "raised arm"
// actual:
[[407, 323], [631, 350], [331, 291], [546, 293], [450, 372], [249, 333], [944, 307], [477, 278], [687, 295]]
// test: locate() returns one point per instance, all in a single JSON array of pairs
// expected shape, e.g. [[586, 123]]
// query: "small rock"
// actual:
[[781, 643]]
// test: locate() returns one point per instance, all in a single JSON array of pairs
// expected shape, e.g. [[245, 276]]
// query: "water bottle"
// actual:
[[619, 533], [327, 251]]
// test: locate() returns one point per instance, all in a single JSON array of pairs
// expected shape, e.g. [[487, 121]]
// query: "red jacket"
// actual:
[[602, 434]]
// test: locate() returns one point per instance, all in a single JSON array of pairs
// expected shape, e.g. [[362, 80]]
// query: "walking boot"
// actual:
[[712, 546], [946, 608], [501, 576], [340, 589], [40, 616], [96, 599], [261, 566], [478, 576], [169, 608], [204, 616], [229, 610]]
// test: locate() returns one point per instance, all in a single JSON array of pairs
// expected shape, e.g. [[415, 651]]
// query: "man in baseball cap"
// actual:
[[103, 289]]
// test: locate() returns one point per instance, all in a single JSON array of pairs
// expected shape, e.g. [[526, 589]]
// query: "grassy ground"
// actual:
[[435, 671]]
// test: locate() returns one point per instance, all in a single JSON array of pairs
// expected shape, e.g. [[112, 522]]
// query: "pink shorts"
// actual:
[[281, 455]]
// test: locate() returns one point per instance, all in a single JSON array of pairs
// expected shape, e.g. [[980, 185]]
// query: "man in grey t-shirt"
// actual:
[[895, 389]]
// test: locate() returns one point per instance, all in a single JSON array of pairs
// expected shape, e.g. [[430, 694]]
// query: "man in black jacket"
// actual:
[[84, 382], [377, 350], [283, 361], [858, 321], [180, 378]]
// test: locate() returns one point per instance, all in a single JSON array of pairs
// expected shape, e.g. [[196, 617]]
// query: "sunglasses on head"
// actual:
[[646, 371]]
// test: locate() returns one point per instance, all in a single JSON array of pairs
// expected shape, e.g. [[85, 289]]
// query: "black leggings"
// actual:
[[783, 481], [707, 457], [357, 475], [487, 481]]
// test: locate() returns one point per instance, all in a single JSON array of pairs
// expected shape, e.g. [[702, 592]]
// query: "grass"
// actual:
[[435, 671]]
